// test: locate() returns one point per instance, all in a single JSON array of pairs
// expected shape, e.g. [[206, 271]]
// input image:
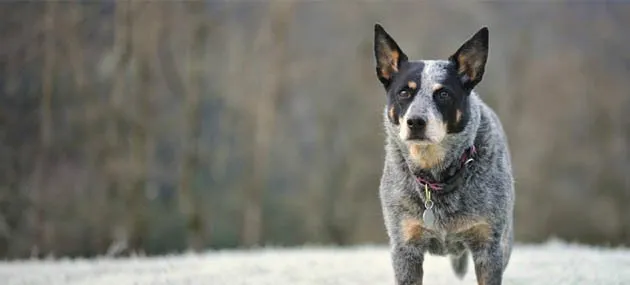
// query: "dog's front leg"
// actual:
[[488, 259], [407, 261]]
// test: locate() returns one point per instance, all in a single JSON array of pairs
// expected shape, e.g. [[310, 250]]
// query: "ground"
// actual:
[[551, 263]]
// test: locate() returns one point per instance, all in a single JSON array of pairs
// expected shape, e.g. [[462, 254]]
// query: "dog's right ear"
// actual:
[[389, 56], [471, 58]]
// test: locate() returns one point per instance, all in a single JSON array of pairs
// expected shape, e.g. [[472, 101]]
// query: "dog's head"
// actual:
[[428, 99]]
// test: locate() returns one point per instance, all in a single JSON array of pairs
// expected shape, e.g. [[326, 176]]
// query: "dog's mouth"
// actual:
[[415, 137], [419, 140]]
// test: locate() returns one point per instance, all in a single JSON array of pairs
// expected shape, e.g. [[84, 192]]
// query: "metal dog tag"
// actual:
[[428, 218]]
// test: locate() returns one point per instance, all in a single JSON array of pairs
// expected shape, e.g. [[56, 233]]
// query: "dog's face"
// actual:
[[428, 99]]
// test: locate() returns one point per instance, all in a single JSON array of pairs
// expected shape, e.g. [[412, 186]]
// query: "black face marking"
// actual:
[[457, 101], [410, 71]]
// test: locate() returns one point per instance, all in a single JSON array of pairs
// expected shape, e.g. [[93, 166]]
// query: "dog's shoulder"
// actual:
[[492, 139]]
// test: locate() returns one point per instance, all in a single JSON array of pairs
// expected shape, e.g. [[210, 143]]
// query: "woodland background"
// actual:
[[158, 126]]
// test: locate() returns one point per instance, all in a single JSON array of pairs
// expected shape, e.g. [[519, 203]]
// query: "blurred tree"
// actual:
[[273, 35], [129, 126], [194, 76], [122, 52]]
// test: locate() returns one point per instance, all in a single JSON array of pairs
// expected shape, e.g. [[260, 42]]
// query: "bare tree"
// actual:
[[40, 224], [194, 76], [47, 75], [265, 117], [122, 52], [141, 129]]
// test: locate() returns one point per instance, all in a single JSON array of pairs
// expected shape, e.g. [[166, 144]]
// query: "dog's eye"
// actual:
[[443, 95], [404, 94]]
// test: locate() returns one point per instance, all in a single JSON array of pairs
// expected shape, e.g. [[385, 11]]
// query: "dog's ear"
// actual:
[[470, 59], [389, 56]]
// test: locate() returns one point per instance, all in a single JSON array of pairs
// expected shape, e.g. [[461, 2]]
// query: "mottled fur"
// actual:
[[474, 219]]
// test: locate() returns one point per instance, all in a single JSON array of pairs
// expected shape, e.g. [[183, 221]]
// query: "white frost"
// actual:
[[551, 263]]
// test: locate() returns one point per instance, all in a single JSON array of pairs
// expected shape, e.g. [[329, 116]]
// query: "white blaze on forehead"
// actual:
[[434, 71], [436, 129]]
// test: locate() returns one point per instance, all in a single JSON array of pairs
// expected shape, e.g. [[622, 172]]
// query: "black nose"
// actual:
[[416, 123]]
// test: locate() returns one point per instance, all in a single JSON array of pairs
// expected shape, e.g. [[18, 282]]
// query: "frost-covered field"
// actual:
[[552, 263]]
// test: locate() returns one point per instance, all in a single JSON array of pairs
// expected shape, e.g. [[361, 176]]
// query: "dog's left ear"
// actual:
[[470, 59]]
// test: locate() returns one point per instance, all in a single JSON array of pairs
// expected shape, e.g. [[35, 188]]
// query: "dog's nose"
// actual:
[[416, 123]]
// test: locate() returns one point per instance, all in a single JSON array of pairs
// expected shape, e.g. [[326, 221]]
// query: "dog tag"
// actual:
[[428, 218]]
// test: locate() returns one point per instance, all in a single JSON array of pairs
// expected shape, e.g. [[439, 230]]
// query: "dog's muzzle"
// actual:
[[417, 127]]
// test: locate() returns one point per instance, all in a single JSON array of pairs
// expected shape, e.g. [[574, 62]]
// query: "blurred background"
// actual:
[[155, 127]]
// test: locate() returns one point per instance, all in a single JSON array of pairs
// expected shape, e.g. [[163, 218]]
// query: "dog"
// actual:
[[447, 185]]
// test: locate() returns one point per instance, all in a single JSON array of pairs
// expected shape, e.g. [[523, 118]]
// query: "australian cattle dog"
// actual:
[[447, 186]]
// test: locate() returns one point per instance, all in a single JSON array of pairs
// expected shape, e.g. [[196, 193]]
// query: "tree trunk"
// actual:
[[188, 202], [43, 235], [141, 136], [122, 51], [265, 121]]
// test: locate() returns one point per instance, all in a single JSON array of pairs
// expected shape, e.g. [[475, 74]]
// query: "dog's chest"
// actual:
[[448, 235]]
